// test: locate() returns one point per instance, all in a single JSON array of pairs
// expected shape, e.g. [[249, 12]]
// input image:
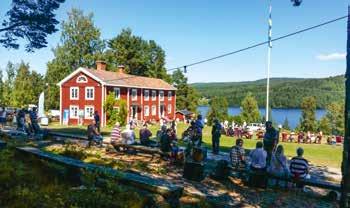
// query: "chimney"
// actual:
[[121, 68], [101, 65]]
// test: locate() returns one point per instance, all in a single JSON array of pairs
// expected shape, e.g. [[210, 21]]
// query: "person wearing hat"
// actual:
[[216, 134], [270, 140]]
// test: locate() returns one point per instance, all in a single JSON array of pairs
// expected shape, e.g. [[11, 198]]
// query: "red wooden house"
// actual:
[[84, 91]]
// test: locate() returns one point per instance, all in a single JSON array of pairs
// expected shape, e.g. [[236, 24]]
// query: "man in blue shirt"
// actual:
[[270, 140], [97, 121]]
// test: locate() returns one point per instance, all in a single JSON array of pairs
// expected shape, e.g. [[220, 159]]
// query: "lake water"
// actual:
[[278, 114]]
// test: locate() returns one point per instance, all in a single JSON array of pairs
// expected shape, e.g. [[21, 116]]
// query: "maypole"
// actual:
[[268, 64]]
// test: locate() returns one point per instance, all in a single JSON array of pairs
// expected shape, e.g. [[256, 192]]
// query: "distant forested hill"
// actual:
[[284, 92]]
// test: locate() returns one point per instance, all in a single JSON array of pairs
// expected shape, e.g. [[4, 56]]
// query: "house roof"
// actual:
[[110, 78], [185, 112]]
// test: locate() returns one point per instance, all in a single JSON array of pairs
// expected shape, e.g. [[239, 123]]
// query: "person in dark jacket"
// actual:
[[165, 142], [145, 134], [97, 121], [270, 140], [216, 134]]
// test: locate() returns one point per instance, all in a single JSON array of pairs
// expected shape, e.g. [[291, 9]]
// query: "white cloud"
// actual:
[[331, 56]]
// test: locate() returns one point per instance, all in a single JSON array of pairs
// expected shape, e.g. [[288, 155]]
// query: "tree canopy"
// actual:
[[250, 110], [31, 20], [308, 115], [218, 109]]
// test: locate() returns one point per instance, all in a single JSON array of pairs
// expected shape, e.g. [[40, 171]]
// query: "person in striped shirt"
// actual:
[[115, 134], [299, 166]]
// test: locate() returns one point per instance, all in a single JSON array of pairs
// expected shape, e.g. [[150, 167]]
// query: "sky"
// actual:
[[190, 31]]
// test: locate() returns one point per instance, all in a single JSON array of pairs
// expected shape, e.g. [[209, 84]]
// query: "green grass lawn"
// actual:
[[317, 154]]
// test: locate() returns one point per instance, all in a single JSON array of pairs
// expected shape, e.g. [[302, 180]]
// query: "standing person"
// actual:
[[199, 123], [278, 165], [97, 121], [173, 126], [3, 117], [299, 166], [258, 165], [270, 140], [165, 142], [237, 155], [145, 134], [115, 134], [14, 118], [216, 134], [34, 120]]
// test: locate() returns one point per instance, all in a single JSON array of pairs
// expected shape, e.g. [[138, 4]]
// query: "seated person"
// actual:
[[258, 165], [128, 135], [165, 142], [145, 135], [115, 134], [237, 155], [299, 167], [278, 165], [161, 132], [93, 134], [319, 137]]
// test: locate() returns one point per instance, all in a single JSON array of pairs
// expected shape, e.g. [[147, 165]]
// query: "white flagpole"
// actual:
[[268, 65]]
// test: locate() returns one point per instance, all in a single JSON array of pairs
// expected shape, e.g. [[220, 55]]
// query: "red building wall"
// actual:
[[81, 102]]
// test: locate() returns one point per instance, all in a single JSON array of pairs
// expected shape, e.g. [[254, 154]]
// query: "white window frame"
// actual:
[[154, 110], [82, 76], [161, 98], [86, 93], [146, 112], [155, 95], [170, 95], [169, 108], [86, 113], [71, 94], [133, 98], [71, 115], [146, 98], [116, 89]]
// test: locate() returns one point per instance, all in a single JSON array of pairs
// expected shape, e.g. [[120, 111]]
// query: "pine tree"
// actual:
[[286, 124], [308, 116], [218, 109], [250, 109]]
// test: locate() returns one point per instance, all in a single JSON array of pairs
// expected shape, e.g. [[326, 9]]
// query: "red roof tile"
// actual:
[[123, 79]]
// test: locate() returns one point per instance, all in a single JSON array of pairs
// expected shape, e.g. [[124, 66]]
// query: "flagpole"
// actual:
[[268, 65]]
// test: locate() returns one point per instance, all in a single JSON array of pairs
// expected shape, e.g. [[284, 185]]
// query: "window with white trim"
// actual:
[[146, 95], [169, 109], [89, 112], [117, 93], [134, 94], [146, 110], [161, 95], [73, 111], [89, 93], [170, 95], [154, 95], [82, 79], [74, 93], [154, 110]]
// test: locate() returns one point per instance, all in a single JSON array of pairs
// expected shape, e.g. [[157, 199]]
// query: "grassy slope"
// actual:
[[319, 154]]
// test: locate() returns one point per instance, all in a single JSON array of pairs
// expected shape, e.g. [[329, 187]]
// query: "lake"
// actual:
[[278, 114]]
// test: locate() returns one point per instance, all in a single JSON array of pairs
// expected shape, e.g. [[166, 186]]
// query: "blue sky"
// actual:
[[189, 31]]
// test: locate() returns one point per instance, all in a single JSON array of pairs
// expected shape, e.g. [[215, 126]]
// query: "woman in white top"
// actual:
[[128, 135], [278, 165]]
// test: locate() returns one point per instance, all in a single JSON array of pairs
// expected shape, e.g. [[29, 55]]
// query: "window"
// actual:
[[89, 112], [146, 110], [74, 93], [134, 94], [146, 95], [154, 95], [161, 95], [82, 79], [73, 111], [154, 110], [169, 109], [89, 93], [117, 93], [170, 95]]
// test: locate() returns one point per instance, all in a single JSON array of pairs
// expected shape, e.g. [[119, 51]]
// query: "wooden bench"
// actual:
[[139, 148], [169, 191]]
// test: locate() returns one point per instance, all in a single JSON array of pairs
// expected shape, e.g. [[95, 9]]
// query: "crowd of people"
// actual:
[[268, 157]]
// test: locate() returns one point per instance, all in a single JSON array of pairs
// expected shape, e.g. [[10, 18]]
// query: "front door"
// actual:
[[162, 109], [134, 111]]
